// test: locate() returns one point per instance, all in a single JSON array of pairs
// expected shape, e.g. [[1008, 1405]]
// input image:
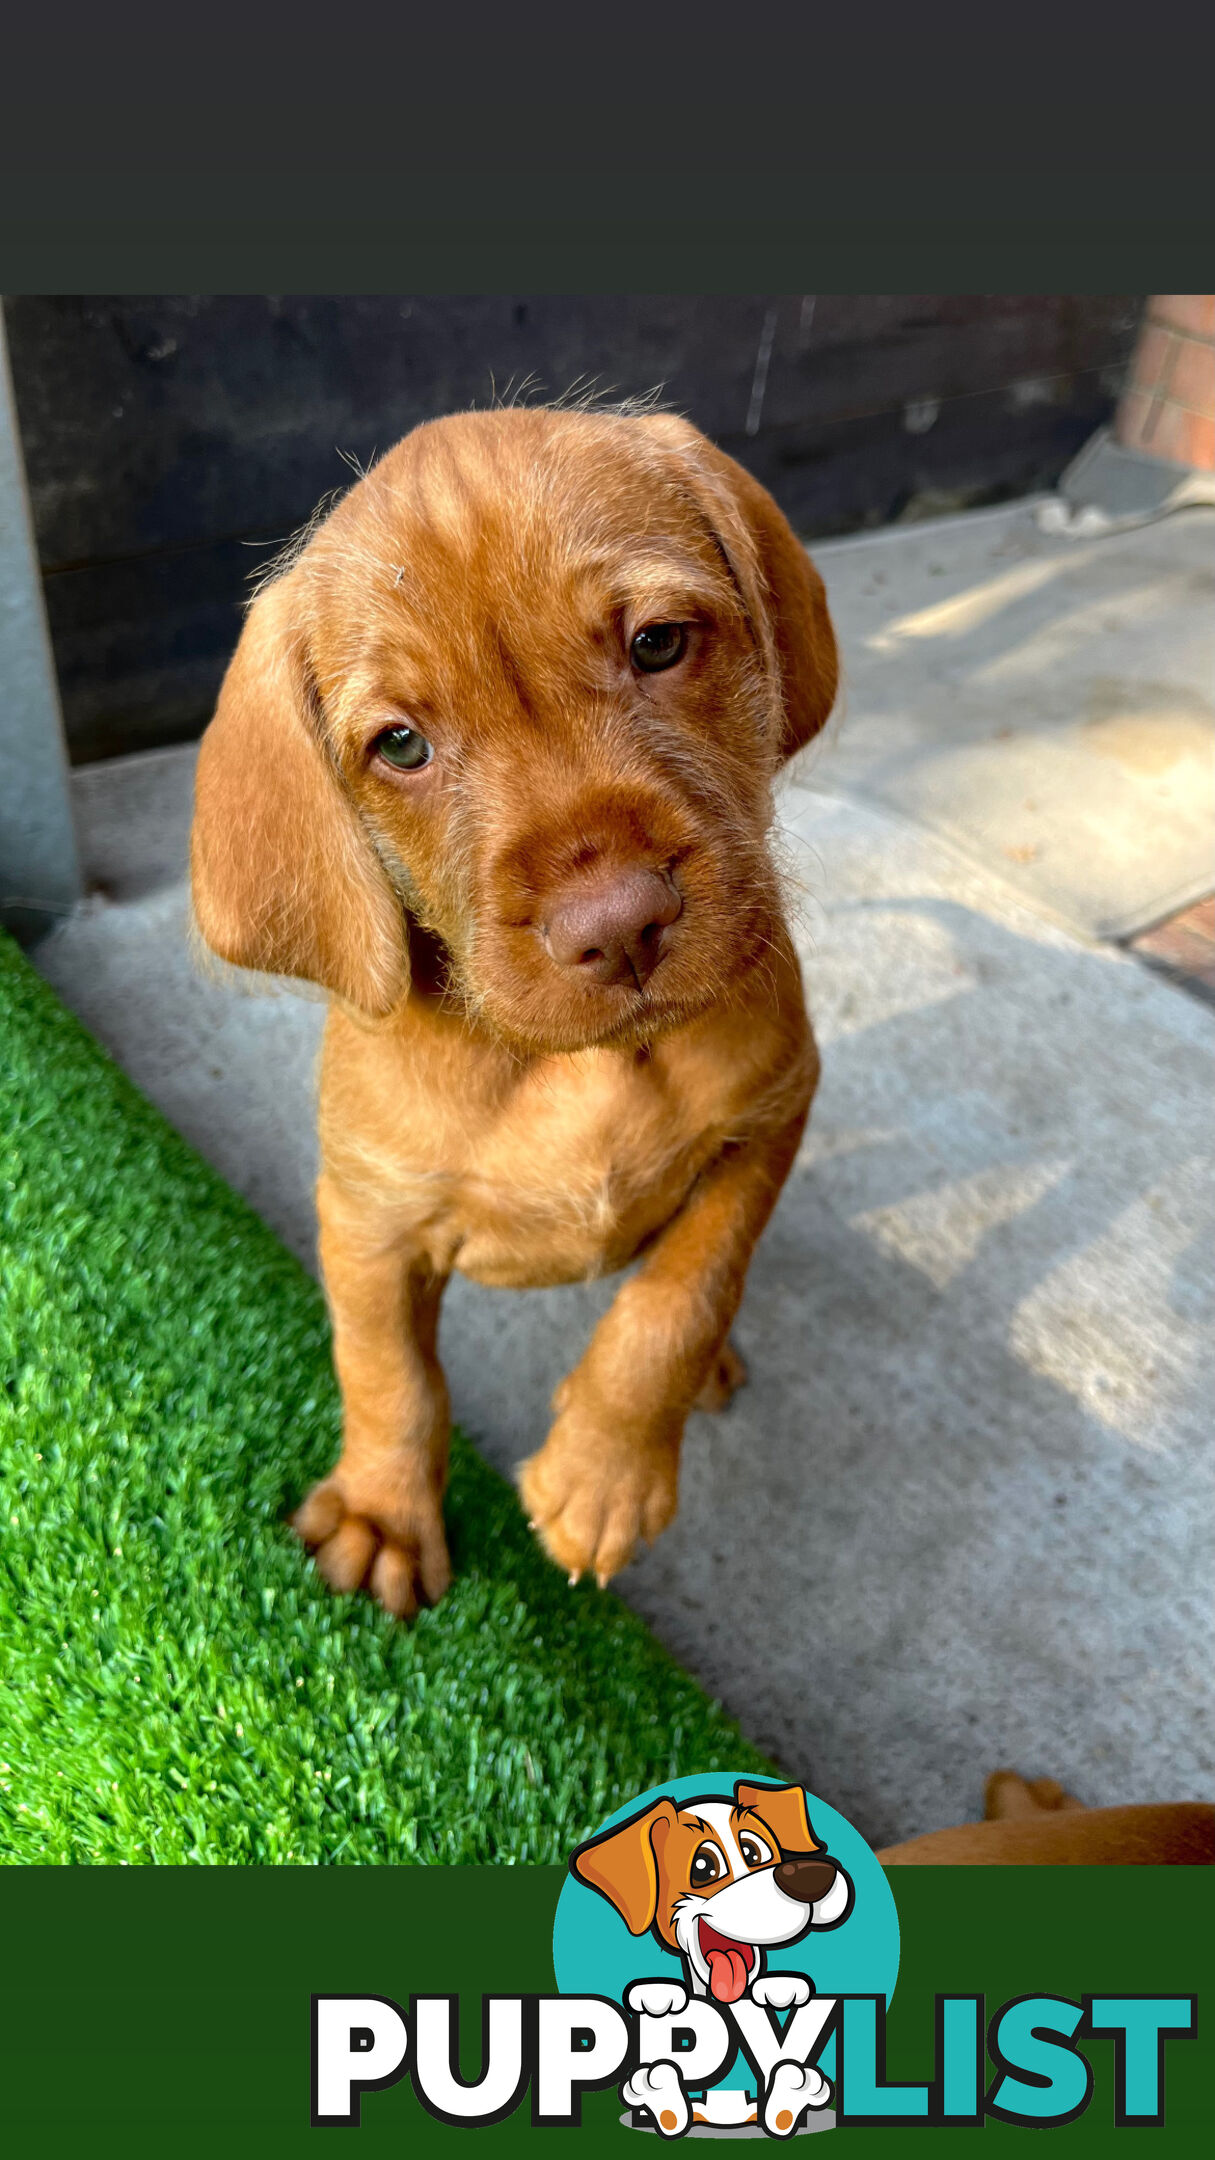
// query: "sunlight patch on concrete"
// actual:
[[942, 1231], [965, 611], [1105, 1324], [1047, 707]]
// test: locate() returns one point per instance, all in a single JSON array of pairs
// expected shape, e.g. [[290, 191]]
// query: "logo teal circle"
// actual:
[[594, 1953]]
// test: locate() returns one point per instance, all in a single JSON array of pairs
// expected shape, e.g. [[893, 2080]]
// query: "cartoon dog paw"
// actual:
[[659, 2087], [657, 1998], [781, 1991], [792, 2089]]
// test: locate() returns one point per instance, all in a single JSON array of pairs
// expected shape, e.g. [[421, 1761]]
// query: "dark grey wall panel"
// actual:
[[171, 444]]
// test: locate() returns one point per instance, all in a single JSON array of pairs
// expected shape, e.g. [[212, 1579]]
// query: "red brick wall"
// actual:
[[1168, 407]]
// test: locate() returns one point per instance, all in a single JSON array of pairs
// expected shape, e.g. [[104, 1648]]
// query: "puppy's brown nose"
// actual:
[[610, 928], [804, 1877]]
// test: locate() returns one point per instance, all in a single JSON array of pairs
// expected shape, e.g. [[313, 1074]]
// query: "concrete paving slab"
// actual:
[[133, 815], [962, 1515], [1045, 704]]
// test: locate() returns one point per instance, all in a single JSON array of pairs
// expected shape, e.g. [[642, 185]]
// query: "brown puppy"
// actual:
[[493, 764], [1037, 1824]]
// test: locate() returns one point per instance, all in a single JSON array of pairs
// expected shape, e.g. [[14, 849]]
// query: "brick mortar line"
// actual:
[[1186, 337], [1161, 400]]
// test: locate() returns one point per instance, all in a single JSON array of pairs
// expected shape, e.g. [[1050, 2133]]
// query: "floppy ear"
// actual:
[[285, 877], [783, 1808], [622, 1865], [781, 589]]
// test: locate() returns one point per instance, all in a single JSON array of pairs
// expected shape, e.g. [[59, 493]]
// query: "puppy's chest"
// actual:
[[570, 1176]]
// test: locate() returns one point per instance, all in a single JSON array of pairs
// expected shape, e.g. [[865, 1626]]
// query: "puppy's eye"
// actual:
[[754, 1851], [706, 1866], [659, 646], [403, 748]]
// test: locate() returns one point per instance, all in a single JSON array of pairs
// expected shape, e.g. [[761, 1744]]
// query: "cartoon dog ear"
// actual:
[[285, 877], [783, 1808], [780, 587], [622, 1865]]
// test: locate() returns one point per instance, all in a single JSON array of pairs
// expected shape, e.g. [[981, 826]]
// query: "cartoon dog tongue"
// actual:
[[727, 1975]]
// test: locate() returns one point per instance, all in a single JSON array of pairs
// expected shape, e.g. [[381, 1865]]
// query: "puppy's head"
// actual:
[[718, 1882], [526, 687]]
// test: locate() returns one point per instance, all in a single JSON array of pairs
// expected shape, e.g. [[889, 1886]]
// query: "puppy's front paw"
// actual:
[[781, 1991], [659, 2087], [362, 1536], [794, 2087], [657, 1998], [591, 1496]]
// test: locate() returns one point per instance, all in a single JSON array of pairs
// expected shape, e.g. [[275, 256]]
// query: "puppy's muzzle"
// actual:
[[805, 1877], [612, 927]]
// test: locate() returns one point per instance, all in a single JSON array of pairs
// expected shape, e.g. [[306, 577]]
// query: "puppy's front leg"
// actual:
[[378, 1517], [608, 1472]]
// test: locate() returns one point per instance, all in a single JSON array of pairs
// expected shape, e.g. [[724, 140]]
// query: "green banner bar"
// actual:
[[167, 2011]]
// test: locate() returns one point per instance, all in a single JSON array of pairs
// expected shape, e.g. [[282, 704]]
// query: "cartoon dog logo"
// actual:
[[722, 1884]]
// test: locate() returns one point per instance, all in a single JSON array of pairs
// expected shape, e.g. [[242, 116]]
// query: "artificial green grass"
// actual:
[[176, 1684]]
